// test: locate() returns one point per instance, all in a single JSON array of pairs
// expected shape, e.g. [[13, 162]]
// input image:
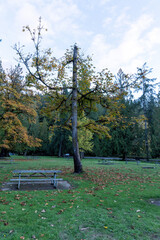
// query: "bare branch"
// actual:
[[25, 61]]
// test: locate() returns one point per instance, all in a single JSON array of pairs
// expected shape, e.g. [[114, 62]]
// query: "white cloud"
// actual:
[[99, 48], [105, 29], [26, 15], [133, 49], [61, 10], [103, 2], [123, 19], [153, 37], [60, 17], [107, 21]]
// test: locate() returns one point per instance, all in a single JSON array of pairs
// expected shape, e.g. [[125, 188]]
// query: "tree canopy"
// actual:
[[16, 104]]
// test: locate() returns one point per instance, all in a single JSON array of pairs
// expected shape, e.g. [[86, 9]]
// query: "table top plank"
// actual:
[[37, 171]]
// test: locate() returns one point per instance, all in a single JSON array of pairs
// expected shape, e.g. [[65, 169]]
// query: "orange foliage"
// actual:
[[16, 104]]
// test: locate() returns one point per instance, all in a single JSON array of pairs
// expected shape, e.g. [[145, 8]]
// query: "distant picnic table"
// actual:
[[50, 175], [7, 160], [105, 162]]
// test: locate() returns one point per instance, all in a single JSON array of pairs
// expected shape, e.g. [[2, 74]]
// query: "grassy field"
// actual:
[[106, 202]]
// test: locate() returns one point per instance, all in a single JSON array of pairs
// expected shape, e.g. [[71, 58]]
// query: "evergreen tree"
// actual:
[[147, 88], [154, 124]]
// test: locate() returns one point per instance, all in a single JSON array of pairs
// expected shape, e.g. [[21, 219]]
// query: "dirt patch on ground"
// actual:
[[10, 186], [155, 202]]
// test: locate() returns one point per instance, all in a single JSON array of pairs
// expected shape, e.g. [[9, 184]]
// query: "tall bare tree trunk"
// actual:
[[76, 155], [146, 140], [145, 114], [60, 144]]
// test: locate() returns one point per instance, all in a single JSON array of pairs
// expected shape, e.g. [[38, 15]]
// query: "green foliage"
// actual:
[[59, 143], [85, 136], [154, 125]]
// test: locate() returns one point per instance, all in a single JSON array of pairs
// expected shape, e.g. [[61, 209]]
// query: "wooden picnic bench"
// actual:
[[7, 160], [105, 162], [27, 176], [132, 160], [148, 167]]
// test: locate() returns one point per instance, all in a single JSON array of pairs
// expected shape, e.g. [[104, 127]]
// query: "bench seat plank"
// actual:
[[34, 180], [33, 176], [37, 171]]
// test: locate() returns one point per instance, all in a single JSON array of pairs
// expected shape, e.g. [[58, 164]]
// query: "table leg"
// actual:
[[54, 181], [19, 182]]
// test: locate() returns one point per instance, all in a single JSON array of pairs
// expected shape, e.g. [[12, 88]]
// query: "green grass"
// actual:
[[107, 202]]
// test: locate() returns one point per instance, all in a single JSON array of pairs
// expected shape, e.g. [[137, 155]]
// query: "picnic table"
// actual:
[[50, 175], [6, 160], [132, 160], [104, 161]]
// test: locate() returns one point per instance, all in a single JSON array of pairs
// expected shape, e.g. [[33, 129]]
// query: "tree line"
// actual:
[[28, 127]]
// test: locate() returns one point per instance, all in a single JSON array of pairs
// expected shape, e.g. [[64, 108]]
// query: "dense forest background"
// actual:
[[27, 126]]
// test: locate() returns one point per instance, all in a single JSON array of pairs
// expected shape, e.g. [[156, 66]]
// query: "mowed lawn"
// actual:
[[106, 202]]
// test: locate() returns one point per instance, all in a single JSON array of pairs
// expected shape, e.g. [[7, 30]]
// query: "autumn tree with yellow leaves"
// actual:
[[72, 85], [16, 102]]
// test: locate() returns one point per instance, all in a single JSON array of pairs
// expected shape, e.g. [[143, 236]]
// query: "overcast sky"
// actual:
[[118, 33]]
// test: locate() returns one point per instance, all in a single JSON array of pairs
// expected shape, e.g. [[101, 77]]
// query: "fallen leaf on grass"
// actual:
[[22, 237], [33, 236], [110, 212], [105, 227], [6, 203], [4, 212], [43, 211], [17, 198], [120, 191], [83, 228], [23, 203], [60, 211]]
